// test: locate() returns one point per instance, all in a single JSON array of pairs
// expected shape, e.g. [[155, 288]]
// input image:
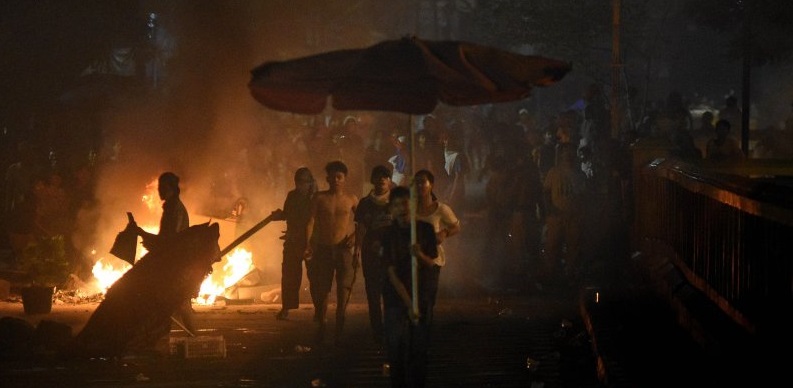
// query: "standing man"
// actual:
[[174, 219], [296, 211], [330, 233], [564, 191], [408, 334], [371, 217]]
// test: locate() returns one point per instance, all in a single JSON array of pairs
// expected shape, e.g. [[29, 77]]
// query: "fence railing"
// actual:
[[731, 228]]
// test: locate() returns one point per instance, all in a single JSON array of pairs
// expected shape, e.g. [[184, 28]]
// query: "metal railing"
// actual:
[[731, 228]]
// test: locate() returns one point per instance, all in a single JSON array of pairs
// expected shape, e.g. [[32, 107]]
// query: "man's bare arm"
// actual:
[[310, 228]]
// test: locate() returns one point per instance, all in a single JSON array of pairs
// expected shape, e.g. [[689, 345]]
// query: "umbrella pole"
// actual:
[[414, 273]]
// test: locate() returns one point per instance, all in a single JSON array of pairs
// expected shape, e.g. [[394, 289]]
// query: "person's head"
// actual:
[[567, 156], [549, 136], [350, 122], [399, 203], [304, 180], [401, 142], [381, 179], [430, 122], [722, 128], [563, 135], [421, 137], [424, 181], [336, 172], [525, 118], [453, 143], [707, 118], [168, 185]]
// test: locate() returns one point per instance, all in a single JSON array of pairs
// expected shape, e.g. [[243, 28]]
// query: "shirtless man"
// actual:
[[331, 237]]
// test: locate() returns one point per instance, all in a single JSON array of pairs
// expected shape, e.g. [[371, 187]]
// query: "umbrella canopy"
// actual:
[[408, 75]]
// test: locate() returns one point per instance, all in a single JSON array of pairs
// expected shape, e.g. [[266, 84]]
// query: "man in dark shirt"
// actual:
[[372, 216], [174, 219], [407, 333], [296, 211]]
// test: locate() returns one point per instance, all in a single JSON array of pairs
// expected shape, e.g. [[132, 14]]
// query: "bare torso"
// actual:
[[333, 215]]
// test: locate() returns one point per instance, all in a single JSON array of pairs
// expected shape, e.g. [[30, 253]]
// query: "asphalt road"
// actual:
[[511, 340]]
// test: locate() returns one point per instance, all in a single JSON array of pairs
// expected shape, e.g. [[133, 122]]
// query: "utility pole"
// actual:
[[746, 92], [616, 67]]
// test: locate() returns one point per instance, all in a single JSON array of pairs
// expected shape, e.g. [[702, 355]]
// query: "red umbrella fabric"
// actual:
[[408, 75]]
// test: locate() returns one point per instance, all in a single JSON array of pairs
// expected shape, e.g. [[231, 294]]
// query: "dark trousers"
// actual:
[[428, 292], [374, 276], [330, 260], [563, 242], [406, 348], [291, 275]]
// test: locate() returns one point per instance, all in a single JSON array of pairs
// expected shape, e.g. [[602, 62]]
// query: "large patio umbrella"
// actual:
[[408, 75]]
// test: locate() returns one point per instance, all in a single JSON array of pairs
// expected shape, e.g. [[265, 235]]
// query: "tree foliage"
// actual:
[[768, 22], [577, 30], [46, 43]]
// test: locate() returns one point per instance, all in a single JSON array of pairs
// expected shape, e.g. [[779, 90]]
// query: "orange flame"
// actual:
[[225, 273], [105, 273], [152, 197]]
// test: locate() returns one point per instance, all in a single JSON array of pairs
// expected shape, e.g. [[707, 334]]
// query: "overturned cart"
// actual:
[[137, 309]]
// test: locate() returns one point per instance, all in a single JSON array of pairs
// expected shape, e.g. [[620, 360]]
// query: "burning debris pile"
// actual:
[[137, 308]]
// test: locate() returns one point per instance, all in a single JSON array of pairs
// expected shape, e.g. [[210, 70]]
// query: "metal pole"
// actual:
[[616, 67], [746, 87], [414, 272]]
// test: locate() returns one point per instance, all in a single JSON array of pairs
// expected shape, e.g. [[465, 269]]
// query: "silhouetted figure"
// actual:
[[174, 219], [372, 216], [564, 190], [733, 115], [722, 146], [407, 333], [296, 212]]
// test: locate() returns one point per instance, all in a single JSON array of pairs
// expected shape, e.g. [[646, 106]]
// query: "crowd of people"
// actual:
[[335, 233], [555, 200]]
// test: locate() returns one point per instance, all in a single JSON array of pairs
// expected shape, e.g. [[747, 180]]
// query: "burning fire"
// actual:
[[106, 274], [152, 196], [225, 273]]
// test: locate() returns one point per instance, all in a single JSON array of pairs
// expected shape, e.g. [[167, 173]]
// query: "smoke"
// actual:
[[772, 96], [200, 123]]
